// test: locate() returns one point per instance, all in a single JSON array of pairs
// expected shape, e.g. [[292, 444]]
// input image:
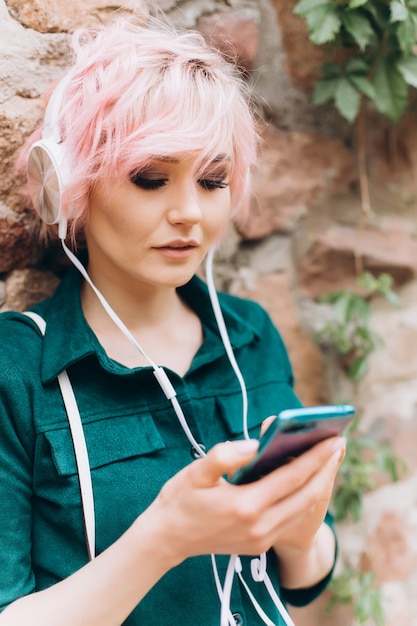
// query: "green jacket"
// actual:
[[135, 445]]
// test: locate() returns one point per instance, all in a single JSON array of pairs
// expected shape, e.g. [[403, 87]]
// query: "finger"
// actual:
[[224, 458], [318, 491], [310, 502], [291, 477]]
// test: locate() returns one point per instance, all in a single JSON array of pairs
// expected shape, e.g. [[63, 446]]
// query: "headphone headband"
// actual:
[[51, 118], [48, 169]]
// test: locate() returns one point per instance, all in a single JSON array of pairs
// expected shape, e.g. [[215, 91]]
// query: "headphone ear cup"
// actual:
[[47, 175]]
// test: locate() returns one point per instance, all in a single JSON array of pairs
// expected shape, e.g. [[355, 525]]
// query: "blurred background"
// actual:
[[329, 246]]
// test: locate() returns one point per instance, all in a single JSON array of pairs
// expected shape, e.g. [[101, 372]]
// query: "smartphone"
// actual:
[[293, 432]]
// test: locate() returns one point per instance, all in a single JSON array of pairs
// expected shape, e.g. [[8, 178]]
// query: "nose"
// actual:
[[185, 205]]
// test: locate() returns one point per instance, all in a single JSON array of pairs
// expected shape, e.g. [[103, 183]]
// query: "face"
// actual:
[[155, 228]]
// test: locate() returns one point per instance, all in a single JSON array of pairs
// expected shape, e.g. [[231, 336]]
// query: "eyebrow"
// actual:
[[168, 159]]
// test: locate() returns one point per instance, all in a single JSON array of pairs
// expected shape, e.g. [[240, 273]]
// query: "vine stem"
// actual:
[[362, 165], [363, 177]]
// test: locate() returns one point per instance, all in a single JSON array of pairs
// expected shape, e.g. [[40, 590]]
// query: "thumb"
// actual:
[[224, 458]]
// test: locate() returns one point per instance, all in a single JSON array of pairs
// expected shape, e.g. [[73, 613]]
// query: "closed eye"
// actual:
[[211, 184], [147, 183]]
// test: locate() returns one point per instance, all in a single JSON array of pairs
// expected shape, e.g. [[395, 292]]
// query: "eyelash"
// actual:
[[210, 184], [149, 184]]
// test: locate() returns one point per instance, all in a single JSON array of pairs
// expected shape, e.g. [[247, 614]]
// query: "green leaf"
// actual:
[[399, 12], [341, 308], [358, 369], [408, 69], [347, 100], [359, 27], [390, 89], [380, 13], [368, 280], [363, 85], [304, 6], [330, 297], [354, 4], [324, 90], [357, 65], [331, 70], [361, 309], [406, 34], [393, 298], [323, 23]]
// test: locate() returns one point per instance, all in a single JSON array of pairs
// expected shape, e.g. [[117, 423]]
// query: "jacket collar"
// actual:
[[69, 338]]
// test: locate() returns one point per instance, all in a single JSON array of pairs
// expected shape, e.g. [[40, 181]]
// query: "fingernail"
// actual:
[[246, 446], [339, 449], [339, 444]]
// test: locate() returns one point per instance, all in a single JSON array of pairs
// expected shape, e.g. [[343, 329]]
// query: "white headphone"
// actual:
[[48, 168]]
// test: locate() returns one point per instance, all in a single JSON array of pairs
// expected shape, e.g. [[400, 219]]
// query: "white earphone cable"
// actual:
[[225, 337], [224, 593]]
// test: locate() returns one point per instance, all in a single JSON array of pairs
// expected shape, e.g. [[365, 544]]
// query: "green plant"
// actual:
[[379, 43], [379, 37], [376, 44], [358, 590], [366, 460], [349, 331]]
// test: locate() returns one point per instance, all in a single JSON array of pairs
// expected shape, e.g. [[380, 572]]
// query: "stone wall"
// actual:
[[303, 238]]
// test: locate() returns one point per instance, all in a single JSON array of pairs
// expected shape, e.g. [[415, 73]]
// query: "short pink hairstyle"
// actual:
[[138, 92]]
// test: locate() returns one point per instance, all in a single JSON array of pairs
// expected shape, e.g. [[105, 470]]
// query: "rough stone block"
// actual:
[[294, 168], [26, 287], [274, 292], [234, 33], [329, 263], [14, 245]]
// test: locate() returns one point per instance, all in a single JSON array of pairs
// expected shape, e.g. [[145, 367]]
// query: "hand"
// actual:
[[306, 547], [204, 514], [308, 520], [309, 501]]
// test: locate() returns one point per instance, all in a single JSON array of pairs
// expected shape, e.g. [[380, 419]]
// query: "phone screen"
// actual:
[[293, 432]]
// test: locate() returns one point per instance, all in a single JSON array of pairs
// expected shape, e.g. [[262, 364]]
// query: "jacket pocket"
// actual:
[[108, 441]]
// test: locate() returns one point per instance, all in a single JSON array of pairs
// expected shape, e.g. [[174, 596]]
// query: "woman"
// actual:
[[155, 141]]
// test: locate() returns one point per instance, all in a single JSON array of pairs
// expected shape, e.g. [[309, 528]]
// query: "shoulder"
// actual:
[[268, 348], [239, 313], [20, 357], [20, 340], [16, 327], [248, 309], [253, 315]]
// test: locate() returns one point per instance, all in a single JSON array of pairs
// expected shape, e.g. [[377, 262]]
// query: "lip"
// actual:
[[180, 243], [178, 249]]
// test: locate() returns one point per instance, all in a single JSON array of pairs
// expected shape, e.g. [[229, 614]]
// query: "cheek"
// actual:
[[224, 220], [219, 215], [114, 214], [103, 211]]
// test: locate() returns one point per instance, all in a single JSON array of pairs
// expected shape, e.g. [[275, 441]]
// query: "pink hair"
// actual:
[[138, 92]]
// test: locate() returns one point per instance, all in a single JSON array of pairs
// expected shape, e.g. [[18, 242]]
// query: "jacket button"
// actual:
[[195, 453], [238, 619]]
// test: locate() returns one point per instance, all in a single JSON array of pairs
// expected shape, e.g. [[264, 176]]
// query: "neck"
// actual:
[[167, 330], [138, 306]]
